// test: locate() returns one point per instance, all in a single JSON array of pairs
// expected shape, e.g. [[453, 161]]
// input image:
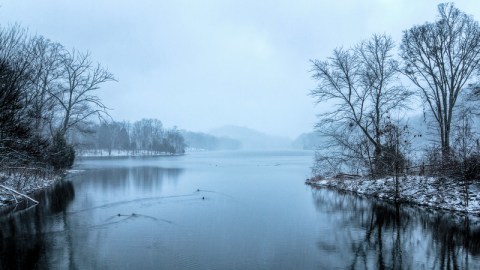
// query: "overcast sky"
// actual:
[[204, 64]]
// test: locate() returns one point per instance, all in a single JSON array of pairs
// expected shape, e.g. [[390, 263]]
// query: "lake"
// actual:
[[225, 210]]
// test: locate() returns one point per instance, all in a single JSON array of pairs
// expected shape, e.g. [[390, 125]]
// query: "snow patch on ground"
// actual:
[[430, 191], [24, 183], [118, 153], [74, 171]]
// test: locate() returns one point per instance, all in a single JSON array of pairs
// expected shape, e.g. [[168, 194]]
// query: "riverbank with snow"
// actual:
[[119, 153], [15, 187], [420, 190]]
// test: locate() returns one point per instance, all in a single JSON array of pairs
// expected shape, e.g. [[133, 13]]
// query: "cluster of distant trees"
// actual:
[[366, 129], [147, 135], [46, 91]]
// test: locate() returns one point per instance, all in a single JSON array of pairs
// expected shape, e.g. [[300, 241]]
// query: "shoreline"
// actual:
[[428, 192], [33, 185], [121, 154]]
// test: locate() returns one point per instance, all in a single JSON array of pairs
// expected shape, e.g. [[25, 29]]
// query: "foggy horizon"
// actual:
[[201, 66]]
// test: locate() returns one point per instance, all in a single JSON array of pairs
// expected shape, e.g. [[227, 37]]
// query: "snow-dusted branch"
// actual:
[[20, 194]]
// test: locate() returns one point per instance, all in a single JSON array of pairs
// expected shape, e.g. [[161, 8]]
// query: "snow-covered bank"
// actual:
[[119, 153], [428, 191], [24, 183]]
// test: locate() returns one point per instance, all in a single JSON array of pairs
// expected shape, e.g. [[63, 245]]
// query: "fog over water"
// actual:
[[201, 65]]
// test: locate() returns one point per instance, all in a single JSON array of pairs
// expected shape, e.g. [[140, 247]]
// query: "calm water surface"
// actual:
[[225, 210]]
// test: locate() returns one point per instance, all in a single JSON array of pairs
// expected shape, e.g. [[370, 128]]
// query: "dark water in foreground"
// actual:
[[252, 211]]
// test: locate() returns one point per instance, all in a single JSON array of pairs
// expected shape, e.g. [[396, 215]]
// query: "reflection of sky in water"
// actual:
[[222, 210]]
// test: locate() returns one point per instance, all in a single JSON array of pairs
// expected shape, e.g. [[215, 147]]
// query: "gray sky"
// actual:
[[204, 64]]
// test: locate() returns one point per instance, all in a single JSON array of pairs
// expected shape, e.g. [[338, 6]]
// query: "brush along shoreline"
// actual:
[[433, 192], [19, 190], [19, 185]]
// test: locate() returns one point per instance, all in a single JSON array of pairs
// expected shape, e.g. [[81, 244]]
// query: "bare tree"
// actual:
[[363, 83], [465, 151], [176, 141], [14, 54], [77, 99], [440, 58], [45, 78], [41, 84], [20, 144]]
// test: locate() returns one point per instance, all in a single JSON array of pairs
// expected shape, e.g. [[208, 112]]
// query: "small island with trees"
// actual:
[[370, 146]]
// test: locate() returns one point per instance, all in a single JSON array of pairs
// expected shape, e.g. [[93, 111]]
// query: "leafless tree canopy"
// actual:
[[363, 84], [440, 59], [45, 91], [76, 96]]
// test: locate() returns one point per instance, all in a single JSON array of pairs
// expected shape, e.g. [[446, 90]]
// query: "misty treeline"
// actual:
[[147, 136], [46, 91], [371, 88], [202, 141]]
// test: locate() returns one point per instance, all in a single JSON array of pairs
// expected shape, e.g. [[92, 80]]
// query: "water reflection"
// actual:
[[375, 235], [48, 235], [23, 239], [148, 214], [142, 178]]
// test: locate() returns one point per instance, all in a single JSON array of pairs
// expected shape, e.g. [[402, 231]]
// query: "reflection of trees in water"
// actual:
[[114, 187], [377, 235], [143, 178], [383, 236], [23, 241], [456, 241]]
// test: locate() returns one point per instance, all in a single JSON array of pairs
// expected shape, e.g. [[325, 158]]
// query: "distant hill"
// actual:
[[417, 124], [422, 133], [307, 141], [426, 126], [252, 139], [205, 141]]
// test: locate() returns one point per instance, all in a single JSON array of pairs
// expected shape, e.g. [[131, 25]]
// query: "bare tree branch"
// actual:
[[362, 82], [440, 59]]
